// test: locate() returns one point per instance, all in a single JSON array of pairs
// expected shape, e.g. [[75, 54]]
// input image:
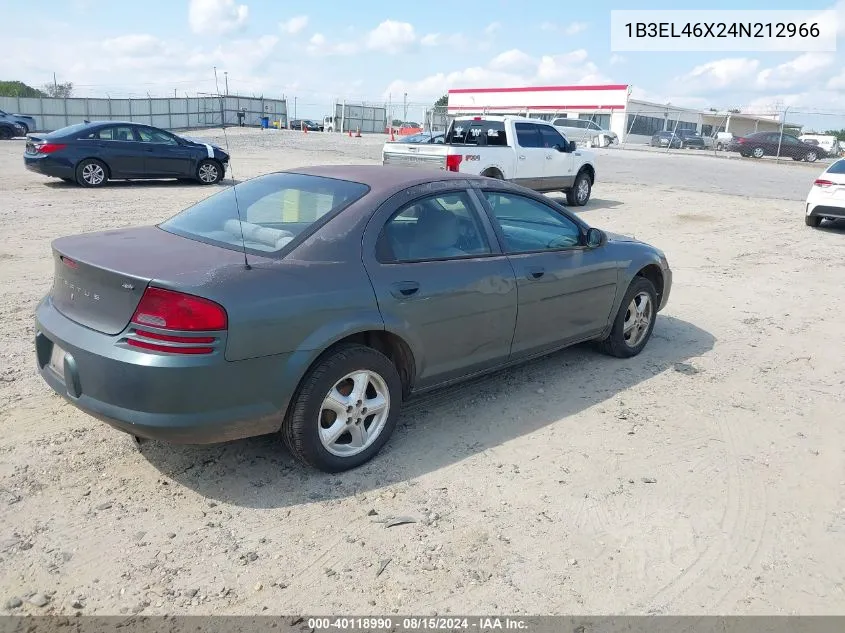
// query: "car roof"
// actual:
[[382, 178]]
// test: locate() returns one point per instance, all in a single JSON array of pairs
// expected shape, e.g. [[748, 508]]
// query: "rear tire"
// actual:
[[5, 133], [758, 152], [813, 221], [811, 157], [92, 173], [579, 194], [209, 172], [309, 420], [634, 322]]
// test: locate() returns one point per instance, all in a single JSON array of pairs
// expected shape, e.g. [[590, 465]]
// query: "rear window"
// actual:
[[275, 209], [837, 168], [468, 132], [70, 129]]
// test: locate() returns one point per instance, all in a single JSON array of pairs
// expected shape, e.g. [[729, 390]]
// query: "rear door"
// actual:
[[119, 148], [164, 156], [441, 280], [531, 156]]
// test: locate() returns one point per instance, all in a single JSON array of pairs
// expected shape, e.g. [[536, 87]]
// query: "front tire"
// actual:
[[811, 156], [345, 409], [758, 152], [209, 172], [634, 322], [582, 188], [92, 173]]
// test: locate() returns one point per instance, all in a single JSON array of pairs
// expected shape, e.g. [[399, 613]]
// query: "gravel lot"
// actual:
[[706, 476]]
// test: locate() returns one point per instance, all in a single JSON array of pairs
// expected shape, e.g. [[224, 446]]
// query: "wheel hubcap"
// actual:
[[583, 189], [637, 319], [811, 157], [93, 174], [208, 173], [354, 413], [758, 152]]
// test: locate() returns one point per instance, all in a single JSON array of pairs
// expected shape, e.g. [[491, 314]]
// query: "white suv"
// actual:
[[585, 132]]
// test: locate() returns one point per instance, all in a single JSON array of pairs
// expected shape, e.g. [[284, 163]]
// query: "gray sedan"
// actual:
[[312, 303]]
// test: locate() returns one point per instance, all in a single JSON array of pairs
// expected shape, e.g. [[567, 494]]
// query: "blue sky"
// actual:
[[369, 50]]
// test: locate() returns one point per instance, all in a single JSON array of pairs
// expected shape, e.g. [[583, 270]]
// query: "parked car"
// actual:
[[826, 200], [381, 283], [829, 143], [9, 129], [92, 153], [424, 138], [762, 144], [528, 152], [585, 132], [311, 126], [690, 139], [27, 123], [723, 139], [666, 139]]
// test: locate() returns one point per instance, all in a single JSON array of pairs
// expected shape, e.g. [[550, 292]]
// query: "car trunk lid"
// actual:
[[99, 278]]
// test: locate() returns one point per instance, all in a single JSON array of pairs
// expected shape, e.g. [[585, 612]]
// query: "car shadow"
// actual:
[[832, 226], [153, 184], [434, 431]]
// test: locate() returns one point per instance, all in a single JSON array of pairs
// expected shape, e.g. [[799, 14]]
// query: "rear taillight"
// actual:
[[741, 141], [821, 182], [49, 148], [180, 312], [453, 162]]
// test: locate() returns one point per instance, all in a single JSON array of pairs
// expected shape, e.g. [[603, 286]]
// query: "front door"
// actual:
[[566, 290], [164, 156], [441, 281], [121, 151], [530, 155], [559, 164]]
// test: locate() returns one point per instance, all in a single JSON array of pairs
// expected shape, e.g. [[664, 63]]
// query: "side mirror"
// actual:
[[595, 237], [560, 148], [572, 146]]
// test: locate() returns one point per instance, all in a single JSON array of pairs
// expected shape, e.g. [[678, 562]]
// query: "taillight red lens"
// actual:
[[741, 141], [821, 182], [170, 350], [453, 162], [49, 148], [171, 310]]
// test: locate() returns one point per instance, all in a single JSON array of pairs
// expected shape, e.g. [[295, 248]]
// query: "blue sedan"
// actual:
[[92, 153]]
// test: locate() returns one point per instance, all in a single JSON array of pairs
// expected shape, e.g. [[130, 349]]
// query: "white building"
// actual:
[[610, 106]]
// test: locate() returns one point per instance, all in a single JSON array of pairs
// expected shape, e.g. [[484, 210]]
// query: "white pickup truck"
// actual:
[[527, 152]]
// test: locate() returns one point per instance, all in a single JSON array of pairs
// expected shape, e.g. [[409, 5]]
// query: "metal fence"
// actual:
[[365, 117], [204, 110]]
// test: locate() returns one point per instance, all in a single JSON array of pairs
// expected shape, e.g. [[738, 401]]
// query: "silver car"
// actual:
[[585, 132]]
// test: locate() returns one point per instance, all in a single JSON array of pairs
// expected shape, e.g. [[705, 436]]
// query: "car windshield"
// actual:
[[274, 210]]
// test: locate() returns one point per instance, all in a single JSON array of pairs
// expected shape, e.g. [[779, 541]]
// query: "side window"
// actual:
[[117, 133], [527, 135], [443, 226], [149, 135], [550, 136], [529, 225]]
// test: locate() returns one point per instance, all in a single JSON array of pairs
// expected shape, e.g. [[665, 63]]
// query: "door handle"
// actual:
[[549, 157], [536, 272], [405, 289], [522, 158]]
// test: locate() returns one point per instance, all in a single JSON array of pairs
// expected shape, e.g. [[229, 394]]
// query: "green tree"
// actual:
[[840, 134], [59, 91], [442, 102], [18, 89]]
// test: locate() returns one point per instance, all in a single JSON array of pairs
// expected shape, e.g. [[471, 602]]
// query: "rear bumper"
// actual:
[[822, 210], [178, 399], [49, 166]]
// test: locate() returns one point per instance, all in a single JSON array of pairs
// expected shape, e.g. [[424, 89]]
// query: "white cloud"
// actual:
[[509, 69], [319, 46], [432, 39], [391, 37], [217, 17], [720, 74], [492, 28], [617, 59], [295, 25], [513, 60], [836, 83], [803, 70], [571, 28]]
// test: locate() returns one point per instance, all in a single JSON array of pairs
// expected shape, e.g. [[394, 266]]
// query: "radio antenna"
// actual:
[[231, 171]]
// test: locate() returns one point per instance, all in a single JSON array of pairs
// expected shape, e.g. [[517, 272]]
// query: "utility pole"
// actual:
[[294, 107], [405, 108], [226, 79], [55, 85]]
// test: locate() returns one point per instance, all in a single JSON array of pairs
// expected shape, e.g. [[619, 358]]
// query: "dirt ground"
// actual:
[[705, 476]]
